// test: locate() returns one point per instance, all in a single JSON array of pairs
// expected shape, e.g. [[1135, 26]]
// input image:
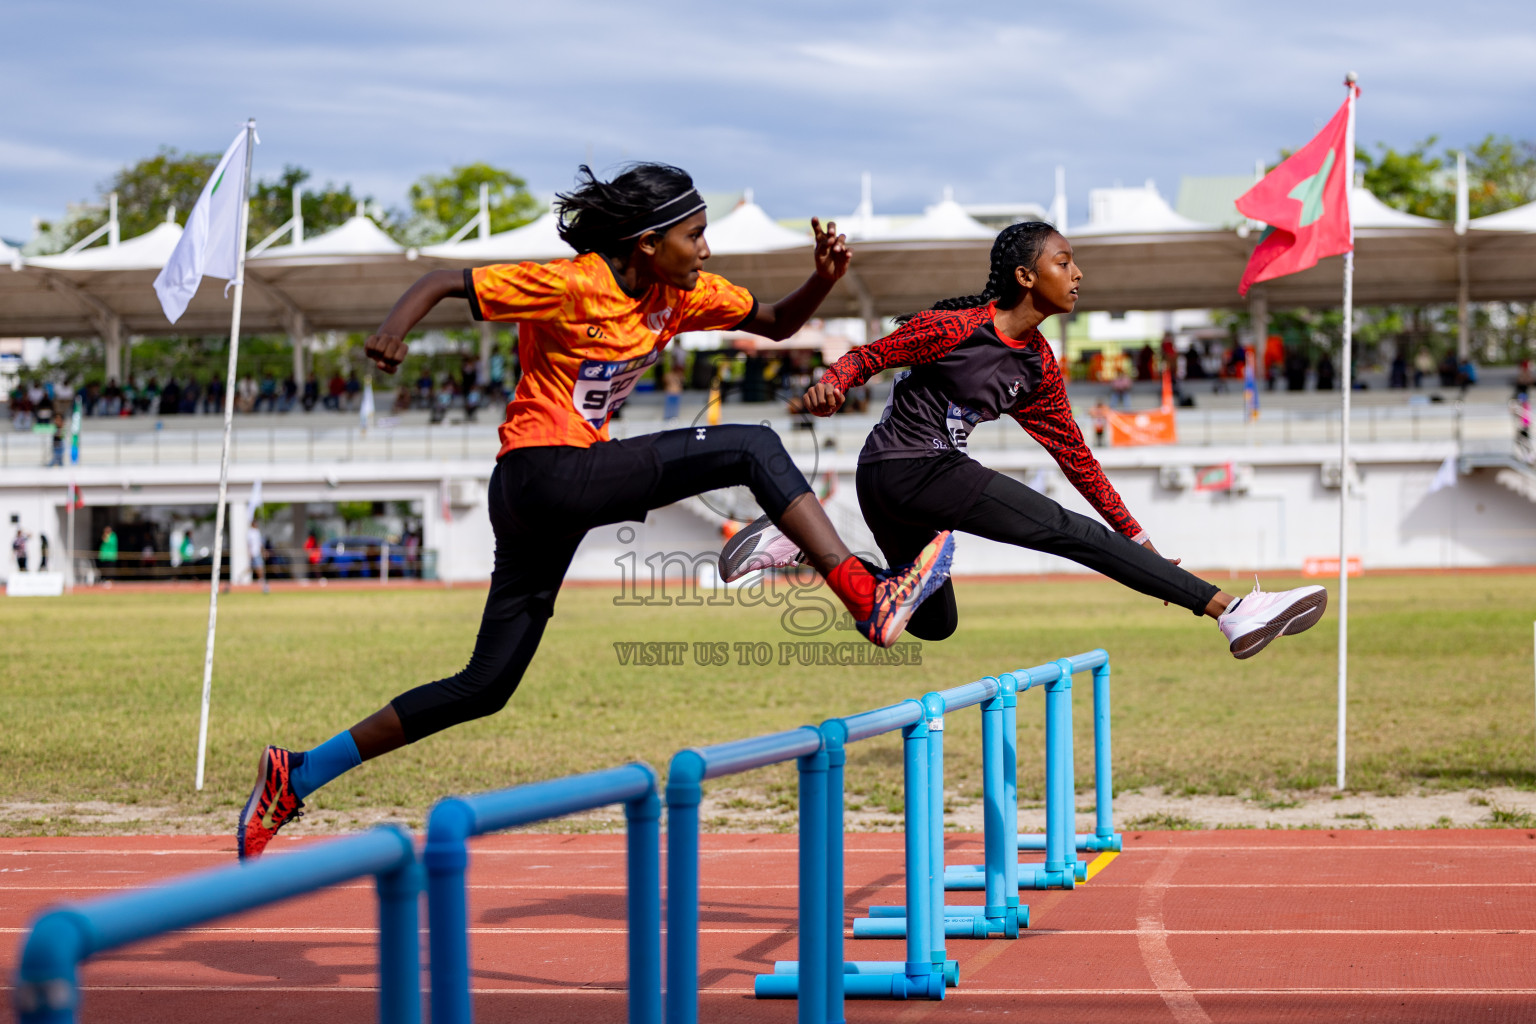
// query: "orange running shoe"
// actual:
[[900, 591], [272, 805]]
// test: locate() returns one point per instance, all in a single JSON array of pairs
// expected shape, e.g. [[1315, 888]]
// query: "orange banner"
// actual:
[[1329, 567], [1152, 427]]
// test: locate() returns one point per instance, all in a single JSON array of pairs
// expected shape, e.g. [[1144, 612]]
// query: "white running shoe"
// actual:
[[758, 546], [1251, 623]]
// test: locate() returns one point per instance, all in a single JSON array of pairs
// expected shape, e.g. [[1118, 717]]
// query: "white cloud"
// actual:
[[794, 98]]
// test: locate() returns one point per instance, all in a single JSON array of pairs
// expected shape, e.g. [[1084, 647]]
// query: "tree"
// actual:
[[1501, 174], [146, 192], [441, 204], [149, 190], [323, 209], [1415, 181]]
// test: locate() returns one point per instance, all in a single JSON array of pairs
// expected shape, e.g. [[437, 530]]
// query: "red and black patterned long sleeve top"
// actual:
[[965, 372]]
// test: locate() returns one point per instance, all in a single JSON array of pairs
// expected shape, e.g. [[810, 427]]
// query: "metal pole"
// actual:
[[229, 418], [1349, 311]]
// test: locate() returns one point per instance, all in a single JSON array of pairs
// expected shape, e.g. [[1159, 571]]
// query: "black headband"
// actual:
[[678, 208]]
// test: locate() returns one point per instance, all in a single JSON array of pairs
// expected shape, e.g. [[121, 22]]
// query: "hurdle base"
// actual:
[[862, 979], [1086, 842], [1032, 875], [890, 922]]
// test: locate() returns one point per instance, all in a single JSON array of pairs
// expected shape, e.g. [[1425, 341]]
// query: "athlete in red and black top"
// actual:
[[978, 358]]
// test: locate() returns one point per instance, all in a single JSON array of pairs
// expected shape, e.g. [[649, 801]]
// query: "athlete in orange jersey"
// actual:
[[589, 328]]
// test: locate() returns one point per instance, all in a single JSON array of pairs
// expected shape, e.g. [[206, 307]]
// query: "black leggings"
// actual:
[[542, 503], [905, 501]]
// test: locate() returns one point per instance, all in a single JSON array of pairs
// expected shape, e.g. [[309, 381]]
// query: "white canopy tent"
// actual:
[[945, 220], [536, 240], [1137, 255]]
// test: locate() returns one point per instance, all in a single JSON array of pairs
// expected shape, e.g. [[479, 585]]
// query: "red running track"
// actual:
[[1183, 927]]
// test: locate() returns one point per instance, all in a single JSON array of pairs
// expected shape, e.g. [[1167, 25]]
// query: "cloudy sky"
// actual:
[[792, 98]]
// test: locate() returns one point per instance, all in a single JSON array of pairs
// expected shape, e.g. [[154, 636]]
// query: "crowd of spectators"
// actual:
[[43, 402]]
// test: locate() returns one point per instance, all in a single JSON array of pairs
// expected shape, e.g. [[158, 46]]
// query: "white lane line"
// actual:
[[1152, 940]]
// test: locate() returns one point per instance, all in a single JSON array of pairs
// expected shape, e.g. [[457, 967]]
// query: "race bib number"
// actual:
[[960, 421], [601, 387]]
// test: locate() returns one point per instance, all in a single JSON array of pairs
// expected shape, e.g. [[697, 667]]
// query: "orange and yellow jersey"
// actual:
[[584, 342]]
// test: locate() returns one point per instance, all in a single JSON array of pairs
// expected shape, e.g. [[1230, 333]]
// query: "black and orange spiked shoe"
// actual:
[[272, 805]]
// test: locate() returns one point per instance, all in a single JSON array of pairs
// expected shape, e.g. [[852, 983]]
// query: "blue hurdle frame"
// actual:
[[454, 820], [685, 777], [1062, 868], [926, 972], [47, 989]]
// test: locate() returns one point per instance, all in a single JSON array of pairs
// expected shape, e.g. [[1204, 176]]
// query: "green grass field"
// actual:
[[100, 692]]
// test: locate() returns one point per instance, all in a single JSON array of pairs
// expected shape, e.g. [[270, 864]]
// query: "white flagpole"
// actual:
[[1344, 473], [229, 418]]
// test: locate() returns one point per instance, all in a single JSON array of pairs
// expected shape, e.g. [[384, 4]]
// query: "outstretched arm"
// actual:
[[386, 346], [780, 320], [924, 339]]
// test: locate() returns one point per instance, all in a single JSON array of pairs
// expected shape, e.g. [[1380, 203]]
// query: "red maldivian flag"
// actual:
[[1305, 202]]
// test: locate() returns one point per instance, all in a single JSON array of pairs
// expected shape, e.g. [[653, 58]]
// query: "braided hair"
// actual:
[[599, 216], [1017, 245]]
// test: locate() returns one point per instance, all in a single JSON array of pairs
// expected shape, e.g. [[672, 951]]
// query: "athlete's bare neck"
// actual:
[[1021, 319], [630, 275]]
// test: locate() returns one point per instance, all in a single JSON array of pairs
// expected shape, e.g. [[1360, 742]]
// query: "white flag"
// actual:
[[365, 411], [1445, 476], [209, 245]]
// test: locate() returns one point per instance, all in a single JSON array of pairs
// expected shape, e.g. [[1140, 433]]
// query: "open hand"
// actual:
[[823, 400], [832, 252]]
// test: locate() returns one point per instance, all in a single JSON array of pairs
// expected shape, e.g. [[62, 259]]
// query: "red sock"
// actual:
[[854, 586]]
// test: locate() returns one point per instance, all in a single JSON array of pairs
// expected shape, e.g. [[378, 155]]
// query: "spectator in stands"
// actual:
[[1325, 372], [130, 402], [1466, 374], [1100, 416], [1397, 374], [267, 393], [189, 396], [246, 393], [1447, 369], [19, 548], [170, 398], [311, 392], [149, 397], [1296, 367], [1120, 387], [354, 389], [334, 390], [213, 394], [290, 394], [1423, 365], [496, 387], [56, 449], [111, 398]]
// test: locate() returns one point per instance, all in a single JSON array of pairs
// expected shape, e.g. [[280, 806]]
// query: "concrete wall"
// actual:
[[1287, 514]]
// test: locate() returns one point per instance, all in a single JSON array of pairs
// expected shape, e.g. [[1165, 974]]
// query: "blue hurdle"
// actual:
[[927, 971], [685, 777], [47, 991], [1060, 840], [454, 820]]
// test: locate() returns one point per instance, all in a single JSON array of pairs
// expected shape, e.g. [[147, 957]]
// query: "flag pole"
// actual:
[[1344, 474], [229, 417]]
